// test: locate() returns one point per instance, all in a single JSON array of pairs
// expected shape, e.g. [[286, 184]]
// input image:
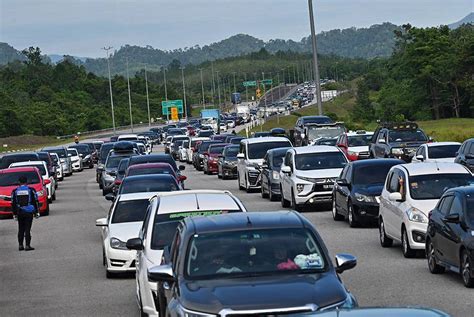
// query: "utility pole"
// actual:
[[147, 99], [246, 89], [129, 98], [184, 94], [235, 89], [315, 58], [218, 88], [264, 95], [213, 85], [110, 86], [164, 77], [202, 89]]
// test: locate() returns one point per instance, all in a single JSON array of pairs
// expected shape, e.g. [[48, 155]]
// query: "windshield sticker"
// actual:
[[414, 185], [197, 213], [309, 261]]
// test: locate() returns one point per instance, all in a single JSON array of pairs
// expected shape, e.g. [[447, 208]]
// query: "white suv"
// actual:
[[308, 173], [250, 159], [445, 152], [162, 218], [411, 191], [124, 220]]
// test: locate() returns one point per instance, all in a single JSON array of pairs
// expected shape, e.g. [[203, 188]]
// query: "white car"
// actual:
[[308, 173], [230, 124], [127, 137], [411, 191], [146, 141], [76, 160], [436, 152], [250, 159], [192, 148], [183, 151], [164, 213], [223, 127], [123, 222], [43, 168], [59, 167]]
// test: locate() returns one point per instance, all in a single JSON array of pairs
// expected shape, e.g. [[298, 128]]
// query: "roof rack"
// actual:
[[399, 125]]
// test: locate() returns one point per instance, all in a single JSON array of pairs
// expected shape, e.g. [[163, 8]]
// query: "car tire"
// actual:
[[262, 192], [272, 196], [284, 203], [433, 266], [53, 197], [408, 252], [385, 241], [466, 268], [104, 192], [46, 213], [353, 223], [294, 205], [335, 213], [104, 259]]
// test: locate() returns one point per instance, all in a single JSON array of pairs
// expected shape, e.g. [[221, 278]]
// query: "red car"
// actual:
[[155, 168], [9, 181], [211, 157], [191, 131], [355, 144]]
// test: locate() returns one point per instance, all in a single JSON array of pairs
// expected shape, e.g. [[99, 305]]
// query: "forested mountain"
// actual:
[[9, 54], [467, 19]]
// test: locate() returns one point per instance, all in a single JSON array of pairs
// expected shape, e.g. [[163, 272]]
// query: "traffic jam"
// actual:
[[418, 193]]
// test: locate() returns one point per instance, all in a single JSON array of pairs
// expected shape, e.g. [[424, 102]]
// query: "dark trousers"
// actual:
[[24, 229]]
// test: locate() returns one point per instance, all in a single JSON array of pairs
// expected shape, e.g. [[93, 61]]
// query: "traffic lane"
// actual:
[[64, 275], [382, 277]]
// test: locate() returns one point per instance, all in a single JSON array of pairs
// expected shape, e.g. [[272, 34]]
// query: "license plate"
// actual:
[[328, 186]]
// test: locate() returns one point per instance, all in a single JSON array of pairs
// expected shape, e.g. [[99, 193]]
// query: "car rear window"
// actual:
[[148, 185], [60, 152], [443, 151], [130, 211], [258, 150], [216, 149], [371, 174], [359, 140], [7, 160], [11, 179], [150, 170]]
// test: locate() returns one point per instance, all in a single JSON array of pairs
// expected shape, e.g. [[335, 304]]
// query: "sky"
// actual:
[[83, 27]]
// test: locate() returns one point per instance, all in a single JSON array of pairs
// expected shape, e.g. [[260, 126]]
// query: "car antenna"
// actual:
[[437, 167], [249, 223], [197, 202]]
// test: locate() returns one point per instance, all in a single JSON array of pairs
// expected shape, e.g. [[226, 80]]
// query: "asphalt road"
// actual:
[[65, 276]]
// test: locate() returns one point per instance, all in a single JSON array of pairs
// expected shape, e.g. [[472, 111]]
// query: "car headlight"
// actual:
[[118, 244], [416, 215], [40, 193], [201, 155], [181, 311], [88, 156], [351, 153], [299, 187], [275, 175], [397, 151], [364, 198], [349, 302], [62, 160]]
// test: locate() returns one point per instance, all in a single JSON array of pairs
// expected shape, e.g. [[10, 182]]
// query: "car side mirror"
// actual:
[[69, 155], [101, 222], [345, 262], [286, 169], [110, 197], [342, 182], [182, 178], [303, 135], [113, 173], [81, 155], [134, 244], [161, 273], [382, 141], [241, 156], [47, 181], [452, 218], [182, 167], [420, 158], [396, 196]]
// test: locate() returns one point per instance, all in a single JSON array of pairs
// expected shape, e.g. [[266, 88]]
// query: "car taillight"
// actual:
[[117, 182]]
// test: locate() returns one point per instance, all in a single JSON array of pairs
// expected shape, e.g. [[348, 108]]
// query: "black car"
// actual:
[[376, 312], [236, 140], [93, 151], [205, 133], [174, 131], [236, 263], [198, 160], [9, 159], [465, 154], [85, 153], [174, 148], [270, 174], [227, 163], [450, 234], [147, 184], [121, 169], [357, 190], [157, 158], [102, 157], [300, 131], [397, 140], [109, 172]]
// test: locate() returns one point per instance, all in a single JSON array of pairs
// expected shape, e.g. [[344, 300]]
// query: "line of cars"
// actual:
[[43, 169]]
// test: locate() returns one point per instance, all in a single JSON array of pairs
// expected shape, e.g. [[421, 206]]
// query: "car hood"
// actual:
[[369, 190], [441, 160], [324, 173], [425, 205], [358, 149], [273, 293], [125, 231], [255, 161]]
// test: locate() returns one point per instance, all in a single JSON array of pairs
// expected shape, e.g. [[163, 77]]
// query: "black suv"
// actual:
[[259, 263], [465, 155], [300, 133], [397, 140]]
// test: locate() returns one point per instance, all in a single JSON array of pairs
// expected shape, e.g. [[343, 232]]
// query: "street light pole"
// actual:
[[202, 89], [213, 85], [129, 98], [235, 89], [184, 94], [147, 99], [110, 86], [164, 78], [315, 58], [246, 89], [218, 88]]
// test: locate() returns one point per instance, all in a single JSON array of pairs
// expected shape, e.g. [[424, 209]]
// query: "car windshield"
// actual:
[[315, 132], [12, 179], [231, 151], [258, 150], [148, 185], [206, 133], [40, 167], [123, 165], [370, 175], [407, 136], [164, 226], [216, 149], [130, 211], [113, 161], [432, 186], [320, 120], [253, 252], [359, 140], [324, 141], [175, 131], [82, 149], [150, 170], [318, 161], [278, 159], [470, 210], [236, 140], [443, 151], [204, 146], [72, 152], [104, 151]]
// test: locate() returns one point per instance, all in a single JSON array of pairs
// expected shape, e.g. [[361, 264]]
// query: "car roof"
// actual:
[[245, 221], [316, 149], [46, 148], [128, 136], [18, 169], [79, 145], [265, 139], [376, 162], [19, 154], [279, 150], [28, 163], [197, 200], [136, 196], [442, 144], [434, 168], [150, 165]]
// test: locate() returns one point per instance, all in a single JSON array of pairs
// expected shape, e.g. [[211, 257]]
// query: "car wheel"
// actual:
[[247, 185], [284, 203], [104, 259], [408, 252], [353, 223], [385, 241], [46, 213], [53, 197], [104, 192], [140, 307], [335, 213], [262, 192], [434, 267], [272, 196], [294, 205], [50, 200], [467, 277]]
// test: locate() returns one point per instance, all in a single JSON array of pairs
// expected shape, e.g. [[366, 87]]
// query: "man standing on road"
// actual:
[[24, 207]]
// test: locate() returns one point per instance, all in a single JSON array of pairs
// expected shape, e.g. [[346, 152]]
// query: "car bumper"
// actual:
[[275, 188], [228, 171], [314, 198], [253, 178], [120, 260], [212, 167], [416, 232], [366, 211], [77, 166]]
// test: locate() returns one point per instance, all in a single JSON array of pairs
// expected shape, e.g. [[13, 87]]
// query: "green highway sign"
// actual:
[[266, 82], [251, 83], [166, 105]]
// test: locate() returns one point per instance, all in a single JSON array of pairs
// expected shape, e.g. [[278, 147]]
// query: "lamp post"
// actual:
[[202, 90], [315, 58], [129, 99], [184, 94], [110, 86], [147, 99]]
